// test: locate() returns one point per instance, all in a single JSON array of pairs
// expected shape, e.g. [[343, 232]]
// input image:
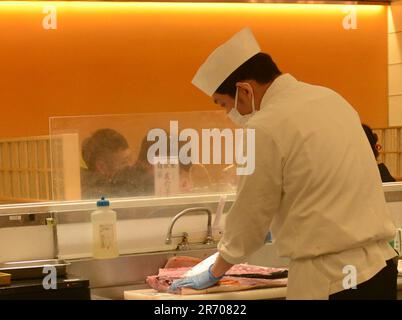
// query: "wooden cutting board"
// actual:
[[255, 294]]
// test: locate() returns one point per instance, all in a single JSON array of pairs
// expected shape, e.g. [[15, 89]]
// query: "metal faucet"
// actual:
[[208, 240]]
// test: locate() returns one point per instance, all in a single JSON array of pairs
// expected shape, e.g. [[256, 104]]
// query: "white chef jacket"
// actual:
[[316, 186]]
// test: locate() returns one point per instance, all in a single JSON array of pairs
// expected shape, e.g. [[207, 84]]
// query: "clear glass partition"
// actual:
[[137, 155]]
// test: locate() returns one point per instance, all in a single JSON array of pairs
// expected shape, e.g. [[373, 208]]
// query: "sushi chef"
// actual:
[[315, 186]]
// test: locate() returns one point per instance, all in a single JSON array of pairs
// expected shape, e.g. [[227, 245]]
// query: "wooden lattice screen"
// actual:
[[39, 169]]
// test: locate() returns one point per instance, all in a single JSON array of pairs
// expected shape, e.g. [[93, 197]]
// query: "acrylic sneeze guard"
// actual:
[[144, 214]]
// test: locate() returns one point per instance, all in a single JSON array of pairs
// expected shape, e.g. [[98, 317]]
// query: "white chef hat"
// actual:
[[224, 60]]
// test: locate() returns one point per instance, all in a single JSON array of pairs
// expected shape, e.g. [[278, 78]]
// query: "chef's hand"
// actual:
[[200, 281]]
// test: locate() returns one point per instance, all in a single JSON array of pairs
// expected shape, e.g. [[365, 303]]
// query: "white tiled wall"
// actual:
[[395, 63]]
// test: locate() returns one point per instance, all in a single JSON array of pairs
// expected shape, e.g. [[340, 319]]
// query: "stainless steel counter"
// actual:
[[110, 278]]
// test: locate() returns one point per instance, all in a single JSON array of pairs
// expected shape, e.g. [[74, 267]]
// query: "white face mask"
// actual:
[[235, 115]]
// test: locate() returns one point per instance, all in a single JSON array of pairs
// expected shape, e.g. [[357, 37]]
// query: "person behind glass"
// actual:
[[106, 153], [373, 139]]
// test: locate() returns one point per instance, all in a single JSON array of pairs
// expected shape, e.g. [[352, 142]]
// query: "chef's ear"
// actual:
[[245, 89]]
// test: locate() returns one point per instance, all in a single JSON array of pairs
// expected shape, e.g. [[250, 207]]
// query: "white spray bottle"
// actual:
[[104, 244]]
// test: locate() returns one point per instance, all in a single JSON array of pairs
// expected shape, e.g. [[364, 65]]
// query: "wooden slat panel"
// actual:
[[395, 79], [45, 165], [395, 110], [33, 185], [42, 185], [399, 173], [395, 48], [391, 140], [7, 173], [57, 165], [49, 170], [24, 168], [37, 167], [6, 157], [391, 161], [33, 194], [16, 170], [2, 191]]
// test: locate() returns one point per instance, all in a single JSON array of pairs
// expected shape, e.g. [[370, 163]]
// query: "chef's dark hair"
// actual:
[[260, 68], [372, 138], [101, 145]]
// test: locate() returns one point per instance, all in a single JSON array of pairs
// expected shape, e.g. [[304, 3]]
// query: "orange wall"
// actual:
[[130, 57]]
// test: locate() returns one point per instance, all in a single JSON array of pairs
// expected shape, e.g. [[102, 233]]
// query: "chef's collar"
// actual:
[[278, 84]]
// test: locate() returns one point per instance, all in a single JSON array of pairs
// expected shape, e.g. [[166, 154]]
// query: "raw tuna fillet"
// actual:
[[232, 281]]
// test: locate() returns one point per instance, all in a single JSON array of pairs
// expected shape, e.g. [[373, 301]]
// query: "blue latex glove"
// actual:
[[200, 281]]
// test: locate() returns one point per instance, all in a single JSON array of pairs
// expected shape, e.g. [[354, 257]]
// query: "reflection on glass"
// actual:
[[108, 168], [116, 155]]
